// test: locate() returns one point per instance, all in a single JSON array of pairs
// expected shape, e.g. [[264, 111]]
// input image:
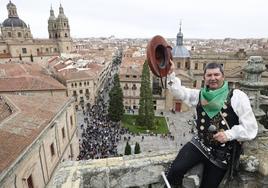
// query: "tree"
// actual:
[[137, 148], [116, 107], [146, 107], [127, 149]]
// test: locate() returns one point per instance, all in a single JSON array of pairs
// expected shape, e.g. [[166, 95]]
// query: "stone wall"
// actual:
[[144, 170]]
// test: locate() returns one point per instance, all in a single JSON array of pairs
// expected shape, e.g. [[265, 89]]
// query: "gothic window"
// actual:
[[134, 87], [19, 34], [126, 87], [81, 91], [74, 93], [72, 85]]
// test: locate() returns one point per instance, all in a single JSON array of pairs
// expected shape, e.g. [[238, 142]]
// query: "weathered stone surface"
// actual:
[[143, 170], [249, 163]]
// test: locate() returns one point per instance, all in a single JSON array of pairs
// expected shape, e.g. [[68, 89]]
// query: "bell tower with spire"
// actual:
[[52, 26], [59, 30]]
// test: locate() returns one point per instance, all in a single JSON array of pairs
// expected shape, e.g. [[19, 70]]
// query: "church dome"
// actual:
[[14, 22], [180, 51]]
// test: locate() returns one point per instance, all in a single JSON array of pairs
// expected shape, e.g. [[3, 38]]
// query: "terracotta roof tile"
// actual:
[[24, 77], [19, 130]]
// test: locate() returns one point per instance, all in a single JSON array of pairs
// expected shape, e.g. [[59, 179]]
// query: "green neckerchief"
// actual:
[[212, 100]]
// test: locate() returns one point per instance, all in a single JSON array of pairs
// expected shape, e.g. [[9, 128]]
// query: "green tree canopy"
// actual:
[[116, 107], [137, 148], [146, 106], [127, 149]]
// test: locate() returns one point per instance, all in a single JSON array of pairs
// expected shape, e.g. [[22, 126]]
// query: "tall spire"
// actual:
[[61, 10], [179, 37]]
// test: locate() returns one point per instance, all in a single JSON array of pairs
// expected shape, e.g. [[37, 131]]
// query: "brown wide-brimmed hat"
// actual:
[[158, 56]]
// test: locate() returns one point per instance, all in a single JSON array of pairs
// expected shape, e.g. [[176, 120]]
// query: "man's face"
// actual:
[[213, 78]]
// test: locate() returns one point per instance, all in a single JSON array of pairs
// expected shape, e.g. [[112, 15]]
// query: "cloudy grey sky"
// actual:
[[146, 18]]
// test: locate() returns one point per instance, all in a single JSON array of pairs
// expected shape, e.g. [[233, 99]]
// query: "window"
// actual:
[[134, 76], [5, 51], [52, 150], [24, 50], [19, 34], [87, 91], [72, 85], [81, 91], [126, 87], [71, 120], [196, 66], [30, 182], [187, 65], [127, 76], [80, 84], [63, 132], [9, 34], [47, 50], [66, 35], [134, 87], [194, 84], [178, 65], [204, 65]]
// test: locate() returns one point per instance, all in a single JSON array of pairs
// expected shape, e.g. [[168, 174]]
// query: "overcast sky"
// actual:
[[146, 18]]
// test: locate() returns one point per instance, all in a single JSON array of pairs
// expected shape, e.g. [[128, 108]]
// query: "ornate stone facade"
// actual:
[[17, 42]]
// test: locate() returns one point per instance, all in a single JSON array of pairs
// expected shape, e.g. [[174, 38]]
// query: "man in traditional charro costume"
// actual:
[[224, 119]]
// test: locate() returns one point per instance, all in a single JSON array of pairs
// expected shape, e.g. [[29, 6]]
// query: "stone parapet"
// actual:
[[141, 171]]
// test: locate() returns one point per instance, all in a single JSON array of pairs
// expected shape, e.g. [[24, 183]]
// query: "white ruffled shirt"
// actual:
[[247, 128]]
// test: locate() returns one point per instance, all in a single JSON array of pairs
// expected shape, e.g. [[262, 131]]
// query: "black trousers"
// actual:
[[188, 157]]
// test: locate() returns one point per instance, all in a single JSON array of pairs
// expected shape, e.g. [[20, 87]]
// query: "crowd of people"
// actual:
[[100, 135]]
